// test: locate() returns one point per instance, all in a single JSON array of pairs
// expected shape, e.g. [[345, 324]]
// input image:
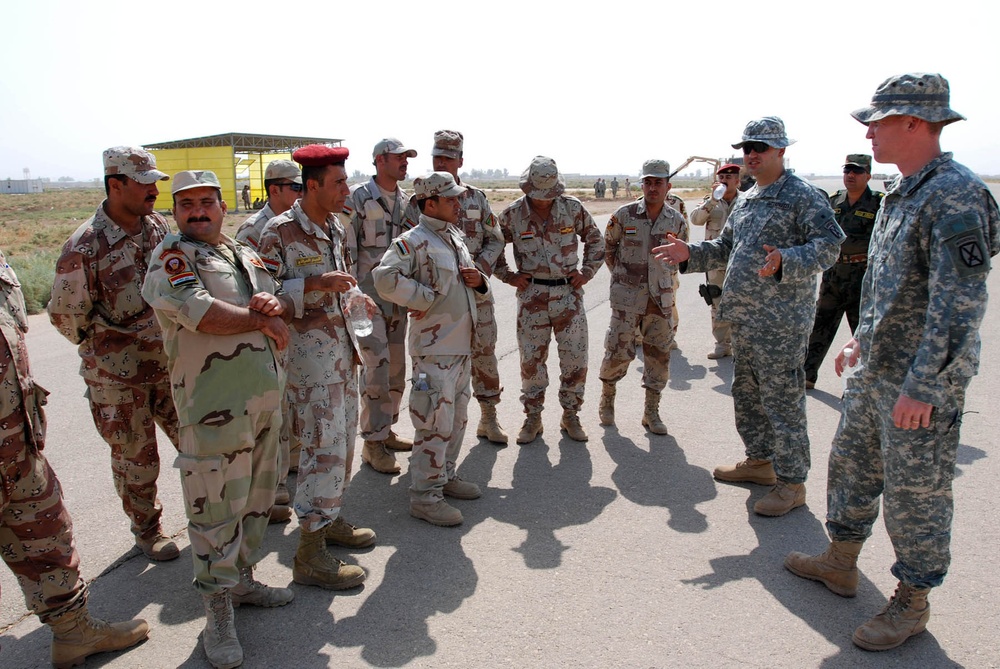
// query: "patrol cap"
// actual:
[[926, 96], [436, 184], [655, 168], [542, 181], [728, 168], [392, 145], [195, 179], [134, 163], [770, 130], [320, 155], [447, 143], [861, 160], [283, 169]]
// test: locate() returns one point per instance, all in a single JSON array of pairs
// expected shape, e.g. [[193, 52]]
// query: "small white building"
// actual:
[[21, 186]]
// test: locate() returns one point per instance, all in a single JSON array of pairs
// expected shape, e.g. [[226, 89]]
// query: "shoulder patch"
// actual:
[[966, 243], [182, 278], [403, 248], [175, 264]]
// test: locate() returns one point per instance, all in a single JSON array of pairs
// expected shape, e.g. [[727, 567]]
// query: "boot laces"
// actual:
[[247, 579], [220, 612]]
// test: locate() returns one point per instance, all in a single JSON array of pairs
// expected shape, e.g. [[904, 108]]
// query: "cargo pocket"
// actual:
[[423, 405], [203, 480]]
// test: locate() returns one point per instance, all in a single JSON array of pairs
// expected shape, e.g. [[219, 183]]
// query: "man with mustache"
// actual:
[[97, 304]]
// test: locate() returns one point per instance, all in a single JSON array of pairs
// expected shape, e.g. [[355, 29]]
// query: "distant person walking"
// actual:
[[614, 187], [246, 197]]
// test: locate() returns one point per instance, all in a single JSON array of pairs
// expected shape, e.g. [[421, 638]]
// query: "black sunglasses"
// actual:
[[294, 186], [759, 147], [854, 169]]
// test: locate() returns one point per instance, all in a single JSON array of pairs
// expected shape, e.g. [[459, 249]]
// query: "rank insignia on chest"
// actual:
[[402, 248], [527, 236], [865, 214], [566, 230], [255, 261], [309, 260], [630, 230], [182, 278]]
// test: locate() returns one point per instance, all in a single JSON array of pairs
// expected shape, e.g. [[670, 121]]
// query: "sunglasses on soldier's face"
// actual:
[[854, 169], [757, 147], [294, 186]]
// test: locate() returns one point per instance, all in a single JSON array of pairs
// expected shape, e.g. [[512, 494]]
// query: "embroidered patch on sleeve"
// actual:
[[402, 248], [182, 279], [527, 236], [175, 264], [271, 265]]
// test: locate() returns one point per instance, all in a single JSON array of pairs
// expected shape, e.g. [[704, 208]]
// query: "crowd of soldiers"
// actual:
[[313, 306]]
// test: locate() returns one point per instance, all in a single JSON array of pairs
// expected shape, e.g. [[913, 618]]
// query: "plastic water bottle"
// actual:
[[421, 382], [356, 310], [718, 192], [849, 370]]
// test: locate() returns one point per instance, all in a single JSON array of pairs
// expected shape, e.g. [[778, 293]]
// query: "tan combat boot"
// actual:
[[720, 351], [651, 417], [281, 495], [436, 513], [836, 567], [532, 428], [76, 636], [570, 423], [279, 514], [904, 616], [222, 647], [378, 458], [252, 592], [460, 489], [342, 533], [394, 442], [313, 565], [606, 410], [783, 498], [489, 427], [749, 471], [158, 547]]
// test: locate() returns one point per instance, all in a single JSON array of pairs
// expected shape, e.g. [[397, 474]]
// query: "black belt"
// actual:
[[549, 282], [853, 258]]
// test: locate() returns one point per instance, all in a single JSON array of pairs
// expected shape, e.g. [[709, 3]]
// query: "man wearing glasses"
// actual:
[[780, 234], [713, 213], [840, 291]]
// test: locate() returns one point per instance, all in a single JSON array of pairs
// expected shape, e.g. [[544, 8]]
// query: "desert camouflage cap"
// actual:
[[542, 181], [283, 169], [655, 168], [436, 184], [194, 179], [392, 145], [859, 160], [134, 163], [926, 96], [447, 143], [770, 130]]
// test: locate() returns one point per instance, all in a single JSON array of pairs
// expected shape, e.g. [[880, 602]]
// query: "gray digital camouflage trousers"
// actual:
[[911, 470], [769, 399], [439, 418], [619, 347], [384, 374], [485, 373]]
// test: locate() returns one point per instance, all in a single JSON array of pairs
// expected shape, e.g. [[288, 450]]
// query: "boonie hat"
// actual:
[[859, 160], [436, 184], [926, 96], [770, 130], [134, 163], [542, 181], [392, 145], [283, 169], [194, 179], [447, 143], [659, 169]]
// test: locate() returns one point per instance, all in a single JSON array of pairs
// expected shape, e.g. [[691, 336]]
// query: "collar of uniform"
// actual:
[[907, 185], [112, 230], [374, 190], [435, 224], [769, 191], [308, 225], [267, 213]]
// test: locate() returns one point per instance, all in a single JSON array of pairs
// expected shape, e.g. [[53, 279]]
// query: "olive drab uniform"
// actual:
[[840, 290], [322, 387], [97, 304], [227, 391]]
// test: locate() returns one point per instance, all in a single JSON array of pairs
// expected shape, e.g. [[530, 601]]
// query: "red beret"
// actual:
[[320, 155], [728, 167]]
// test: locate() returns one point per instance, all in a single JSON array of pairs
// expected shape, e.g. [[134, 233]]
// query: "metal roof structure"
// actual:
[[242, 142]]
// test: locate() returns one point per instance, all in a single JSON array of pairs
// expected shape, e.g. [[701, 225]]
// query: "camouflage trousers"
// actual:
[[228, 475], [541, 312], [839, 295], [485, 373], [912, 471], [126, 418], [384, 374], [720, 328], [324, 429], [284, 441], [439, 417], [619, 347], [769, 399]]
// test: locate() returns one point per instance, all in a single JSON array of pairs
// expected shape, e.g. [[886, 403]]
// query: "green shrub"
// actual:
[[36, 272]]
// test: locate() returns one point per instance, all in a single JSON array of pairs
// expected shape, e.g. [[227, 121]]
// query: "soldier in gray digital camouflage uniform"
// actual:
[[546, 228], [642, 293], [376, 215], [916, 349], [223, 335], [485, 243], [429, 271], [779, 236]]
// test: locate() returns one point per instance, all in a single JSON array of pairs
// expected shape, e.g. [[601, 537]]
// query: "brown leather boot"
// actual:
[[904, 616], [836, 567], [76, 636], [313, 565], [606, 409], [651, 416], [158, 547]]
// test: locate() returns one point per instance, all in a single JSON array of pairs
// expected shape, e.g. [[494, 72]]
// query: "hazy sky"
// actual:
[[600, 87]]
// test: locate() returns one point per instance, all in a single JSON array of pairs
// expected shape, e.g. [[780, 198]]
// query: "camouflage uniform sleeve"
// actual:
[[179, 296], [820, 251], [393, 277], [493, 241], [710, 254], [72, 302], [272, 254], [613, 238], [593, 244], [700, 214], [501, 269], [351, 220]]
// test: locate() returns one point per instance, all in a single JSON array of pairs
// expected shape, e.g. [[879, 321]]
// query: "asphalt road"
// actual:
[[619, 553]]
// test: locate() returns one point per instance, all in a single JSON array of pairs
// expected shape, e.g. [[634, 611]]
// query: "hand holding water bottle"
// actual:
[[356, 310]]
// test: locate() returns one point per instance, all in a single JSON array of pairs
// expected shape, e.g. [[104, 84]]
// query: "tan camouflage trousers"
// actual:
[[720, 329], [384, 374], [485, 373], [126, 418], [228, 474], [619, 347], [439, 418], [284, 441], [541, 312], [325, 430]]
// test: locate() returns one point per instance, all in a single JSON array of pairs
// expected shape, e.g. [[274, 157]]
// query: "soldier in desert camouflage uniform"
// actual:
[[429, 270], [36, 532], [545, 228], [485, 243], [223, 335], [642, 293], [779, 236], [304, 249], [96, 303], [916, 349], [376, 215]]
